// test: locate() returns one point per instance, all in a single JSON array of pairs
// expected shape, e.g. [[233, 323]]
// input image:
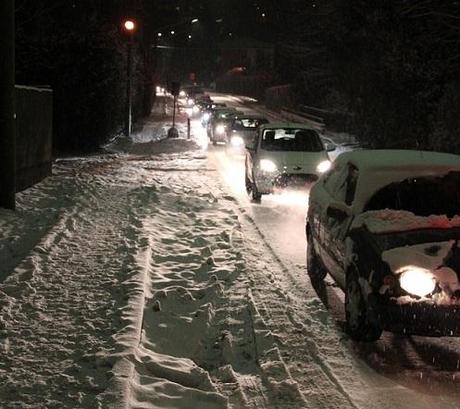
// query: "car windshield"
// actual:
[[248, 124], [422, 196], [301, 140]]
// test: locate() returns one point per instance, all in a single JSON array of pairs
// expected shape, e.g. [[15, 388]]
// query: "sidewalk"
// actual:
[[126, 287]]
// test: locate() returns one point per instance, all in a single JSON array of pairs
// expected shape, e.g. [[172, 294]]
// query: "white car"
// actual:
[[386, 225], [284, 155]]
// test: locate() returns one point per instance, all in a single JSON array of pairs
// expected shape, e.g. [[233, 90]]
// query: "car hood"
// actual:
[[295, 162]]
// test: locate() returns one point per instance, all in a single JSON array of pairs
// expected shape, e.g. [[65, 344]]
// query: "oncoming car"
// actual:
[[386, 225], [219, 122], [242, 131], [284, 155]]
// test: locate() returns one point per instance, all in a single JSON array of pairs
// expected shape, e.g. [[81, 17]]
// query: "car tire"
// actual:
[[315, 270], [247, 183], [256, 196], [362, 322]]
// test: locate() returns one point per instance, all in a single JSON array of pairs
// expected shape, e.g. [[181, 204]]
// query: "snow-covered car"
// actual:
[[284, 155], [242, 131], [386, 225]]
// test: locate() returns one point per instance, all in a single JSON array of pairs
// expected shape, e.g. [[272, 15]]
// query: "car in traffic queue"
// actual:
[[190, 93], [219, 122], [241, 131], [284, 155], [207, 111], [386, 225], [201, 104]]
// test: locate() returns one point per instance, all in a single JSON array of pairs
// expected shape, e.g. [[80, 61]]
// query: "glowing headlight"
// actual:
[[182, 94], [417, 281], [190, 101], [324, 166], [206, 116], [220, 129], [195, 109], [237, 141], [267, 165]]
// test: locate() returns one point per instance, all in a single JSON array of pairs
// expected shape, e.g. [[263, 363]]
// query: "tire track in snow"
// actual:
[[60, 308], [331, 351]]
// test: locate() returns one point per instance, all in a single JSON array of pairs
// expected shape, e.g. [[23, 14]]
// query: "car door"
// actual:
[[336, 220]]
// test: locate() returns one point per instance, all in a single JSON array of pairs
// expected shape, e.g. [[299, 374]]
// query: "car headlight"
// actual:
[[182, 94], [324, 166], [237, 141], [206, 116], [267, 165], [190, 101], [196, 109], [417, 281], [220, 129]]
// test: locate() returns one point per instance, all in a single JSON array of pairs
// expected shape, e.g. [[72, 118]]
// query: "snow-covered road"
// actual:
[[149, 280]]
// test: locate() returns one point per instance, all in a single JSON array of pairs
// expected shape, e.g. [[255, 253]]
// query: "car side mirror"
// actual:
[[338, 211], [330, 147]]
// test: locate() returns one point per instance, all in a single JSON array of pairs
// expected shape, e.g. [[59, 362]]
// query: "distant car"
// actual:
[[241, 132], [284, 155], [208, 109], [218, 123], [386, 225], [190, 93]]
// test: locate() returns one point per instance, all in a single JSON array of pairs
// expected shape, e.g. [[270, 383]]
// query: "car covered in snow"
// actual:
[[284, 155], [386, 225], [241, 131]]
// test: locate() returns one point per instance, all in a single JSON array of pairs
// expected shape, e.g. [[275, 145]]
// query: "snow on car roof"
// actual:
[[379, 168]]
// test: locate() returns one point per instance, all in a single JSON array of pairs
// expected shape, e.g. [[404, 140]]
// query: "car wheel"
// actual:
[[315, 270], [256, 196], [362, 322], [247, 183]]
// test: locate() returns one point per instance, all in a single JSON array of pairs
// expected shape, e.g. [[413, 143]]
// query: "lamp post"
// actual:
[[7, 109], [129, 27]]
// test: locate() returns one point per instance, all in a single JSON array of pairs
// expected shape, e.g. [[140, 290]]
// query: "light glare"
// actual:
[[220, 129], [417, 281], [267, 165], [324, 166], [237, 141], [129, 25]]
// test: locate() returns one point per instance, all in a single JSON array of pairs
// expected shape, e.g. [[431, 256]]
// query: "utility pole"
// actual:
[[7, 107], [129, 26]]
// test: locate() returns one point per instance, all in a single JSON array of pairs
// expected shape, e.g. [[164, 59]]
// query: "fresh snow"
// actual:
[[145, 279]]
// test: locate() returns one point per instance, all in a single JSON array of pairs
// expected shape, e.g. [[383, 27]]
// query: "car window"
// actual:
[[351, 182], [299, 140], [341, 183], [423, 196]]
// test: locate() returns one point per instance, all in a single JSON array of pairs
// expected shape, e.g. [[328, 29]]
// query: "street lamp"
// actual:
[[130, 27]]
